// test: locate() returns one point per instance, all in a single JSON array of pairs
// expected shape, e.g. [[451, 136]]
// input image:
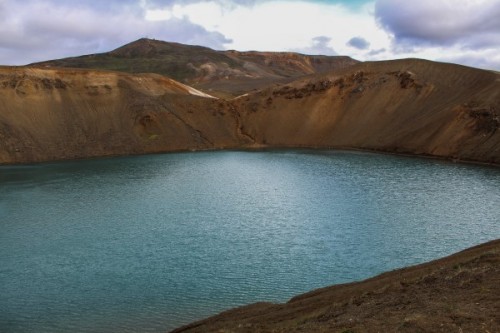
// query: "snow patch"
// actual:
[[240, 96], [195, 92]]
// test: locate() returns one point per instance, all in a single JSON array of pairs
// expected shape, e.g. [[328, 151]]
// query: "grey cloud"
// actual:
[[443, 23], [100, 4], [42, 30], [359, 43], [183, 31], [319, 46], [484, 61], [156, 4], [376, 52]]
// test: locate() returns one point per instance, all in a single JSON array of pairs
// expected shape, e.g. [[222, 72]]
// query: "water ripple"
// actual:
[[149, 243]]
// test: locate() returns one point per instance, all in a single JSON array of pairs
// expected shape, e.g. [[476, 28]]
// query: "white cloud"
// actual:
[[158, 15], [37, 30], [285, 25], [464, 31], [461, 31]]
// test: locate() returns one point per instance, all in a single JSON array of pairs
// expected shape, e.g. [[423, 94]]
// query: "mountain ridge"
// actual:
[[414, 107], [229, 73]]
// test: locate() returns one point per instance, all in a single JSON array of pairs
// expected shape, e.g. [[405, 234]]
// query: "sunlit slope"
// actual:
[[64, 114], [403, 106]]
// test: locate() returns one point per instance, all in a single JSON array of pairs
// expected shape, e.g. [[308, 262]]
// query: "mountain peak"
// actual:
[[146, 47], [228, 72], [143, 47]]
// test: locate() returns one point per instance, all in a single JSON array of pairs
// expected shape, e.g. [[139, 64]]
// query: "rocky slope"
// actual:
[[403, 106], [459, 293], [65, 114], [225, 73]]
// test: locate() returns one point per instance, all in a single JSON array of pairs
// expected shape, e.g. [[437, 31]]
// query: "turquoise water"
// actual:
[[153, 242]]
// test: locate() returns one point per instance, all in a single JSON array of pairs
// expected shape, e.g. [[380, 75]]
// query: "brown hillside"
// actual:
[[404, 106], [224, 73], [66, 114], [459, 293]]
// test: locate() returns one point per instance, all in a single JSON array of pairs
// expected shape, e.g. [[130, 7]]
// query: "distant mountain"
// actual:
[[230, 72]]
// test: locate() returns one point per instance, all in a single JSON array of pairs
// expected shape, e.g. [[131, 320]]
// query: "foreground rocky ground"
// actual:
[[459, 293]]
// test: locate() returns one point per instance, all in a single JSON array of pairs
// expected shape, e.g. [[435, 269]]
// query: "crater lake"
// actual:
[[149, 243]]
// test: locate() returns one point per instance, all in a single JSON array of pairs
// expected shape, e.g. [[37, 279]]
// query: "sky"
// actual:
[[459, 31]]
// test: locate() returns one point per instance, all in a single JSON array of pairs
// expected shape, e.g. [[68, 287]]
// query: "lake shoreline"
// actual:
[[456, 292], [171, 238], [268, 148]]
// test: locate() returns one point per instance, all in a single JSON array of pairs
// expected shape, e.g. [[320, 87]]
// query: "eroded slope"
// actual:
[[405, 106], [65, 114]]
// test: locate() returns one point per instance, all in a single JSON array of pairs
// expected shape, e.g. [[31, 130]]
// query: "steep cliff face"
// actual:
[[405, 106], [65, 114]]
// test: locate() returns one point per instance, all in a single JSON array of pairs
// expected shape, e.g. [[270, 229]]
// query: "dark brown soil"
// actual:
[[459, 293]]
